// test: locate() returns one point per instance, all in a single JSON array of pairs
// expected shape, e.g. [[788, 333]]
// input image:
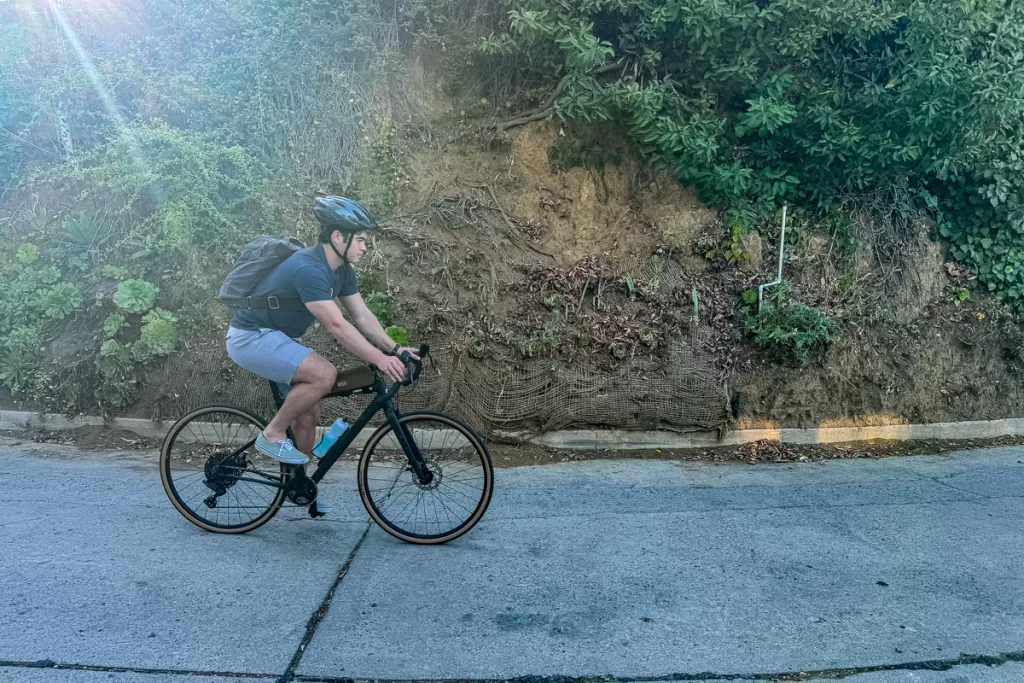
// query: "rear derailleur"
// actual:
[[220, 474]]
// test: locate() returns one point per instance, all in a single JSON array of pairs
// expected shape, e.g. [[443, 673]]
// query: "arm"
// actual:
[[367, 323], [371, 328], [329, 315]]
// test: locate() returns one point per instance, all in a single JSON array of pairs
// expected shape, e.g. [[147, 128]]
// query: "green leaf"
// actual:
[[27, 254], [399, 335], [135, 296]]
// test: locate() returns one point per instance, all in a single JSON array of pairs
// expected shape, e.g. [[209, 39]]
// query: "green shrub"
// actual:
[[61, 300], [27, 254], [136, 296], [398, 334], [113, 324], [791, 330], [21, 357], [114, 359], [34, 301], [756, 103], [81, 231], [159, 335], [117, 272], [382, 306], [168, 191], [731, 249]]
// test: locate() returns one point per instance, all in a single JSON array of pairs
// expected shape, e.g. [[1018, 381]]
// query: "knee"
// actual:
[[316, 371], [328, 376]]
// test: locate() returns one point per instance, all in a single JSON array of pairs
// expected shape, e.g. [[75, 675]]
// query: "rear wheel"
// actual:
[[213, 473], [446, 507]]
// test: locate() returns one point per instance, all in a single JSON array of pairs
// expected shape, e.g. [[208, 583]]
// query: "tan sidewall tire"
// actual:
[[488, 476], [169, 488]]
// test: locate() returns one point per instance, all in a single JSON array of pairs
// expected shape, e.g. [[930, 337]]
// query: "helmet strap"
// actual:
[[348, 245]]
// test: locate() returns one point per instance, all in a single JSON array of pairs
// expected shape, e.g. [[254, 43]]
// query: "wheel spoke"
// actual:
[[215, 447], [458, 490]]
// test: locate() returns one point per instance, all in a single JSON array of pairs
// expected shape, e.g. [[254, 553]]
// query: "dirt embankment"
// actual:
[[587, 297]]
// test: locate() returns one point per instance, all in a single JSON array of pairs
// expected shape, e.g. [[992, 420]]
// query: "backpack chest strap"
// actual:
[[272, 302]]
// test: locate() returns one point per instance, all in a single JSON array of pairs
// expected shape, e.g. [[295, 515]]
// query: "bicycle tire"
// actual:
[[376, 506], [249, 425]]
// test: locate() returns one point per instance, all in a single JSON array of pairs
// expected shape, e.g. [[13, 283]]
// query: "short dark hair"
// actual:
[[326, 232]]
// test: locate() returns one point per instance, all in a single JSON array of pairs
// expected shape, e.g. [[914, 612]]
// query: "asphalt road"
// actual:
[[874, 571]]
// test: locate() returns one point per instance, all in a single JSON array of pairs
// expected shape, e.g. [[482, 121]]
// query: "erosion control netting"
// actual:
[[464, 259], [681, 393]]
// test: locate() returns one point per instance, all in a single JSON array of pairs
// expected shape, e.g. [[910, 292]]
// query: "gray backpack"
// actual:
[[257, 260]]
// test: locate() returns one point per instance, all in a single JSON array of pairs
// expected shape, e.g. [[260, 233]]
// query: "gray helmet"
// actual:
[[344, 214]]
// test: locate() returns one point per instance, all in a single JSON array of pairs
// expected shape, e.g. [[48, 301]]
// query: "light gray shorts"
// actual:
[[268, 353]]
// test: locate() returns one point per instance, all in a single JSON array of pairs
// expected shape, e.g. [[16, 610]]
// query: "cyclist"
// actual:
[[268, 341]]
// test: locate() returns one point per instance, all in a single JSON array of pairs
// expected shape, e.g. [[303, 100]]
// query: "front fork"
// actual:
[[412, 451]]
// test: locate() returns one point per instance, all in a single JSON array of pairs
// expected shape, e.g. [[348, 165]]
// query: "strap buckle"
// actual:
[[273, 303], [248, 302]]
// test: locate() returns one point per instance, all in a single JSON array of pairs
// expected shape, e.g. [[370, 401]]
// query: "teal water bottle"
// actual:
[[330, 437]]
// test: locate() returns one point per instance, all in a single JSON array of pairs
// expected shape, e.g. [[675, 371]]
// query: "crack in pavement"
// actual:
[[978, 496], [321, 611], [832, 674], [64, 666]]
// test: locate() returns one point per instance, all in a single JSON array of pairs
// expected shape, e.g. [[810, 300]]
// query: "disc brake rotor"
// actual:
[[435, 481]]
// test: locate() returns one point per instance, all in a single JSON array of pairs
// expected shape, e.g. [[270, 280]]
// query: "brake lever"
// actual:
[[424, 354], [407, 360]]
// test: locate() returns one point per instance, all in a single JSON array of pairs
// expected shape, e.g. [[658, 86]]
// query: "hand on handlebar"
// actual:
[[413, 352], [413, 359], [392, 367], [404, 367]]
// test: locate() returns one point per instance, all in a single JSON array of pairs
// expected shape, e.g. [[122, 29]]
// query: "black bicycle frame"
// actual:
[[383, 401]]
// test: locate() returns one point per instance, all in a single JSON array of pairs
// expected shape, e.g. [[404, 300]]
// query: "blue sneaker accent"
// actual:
[[282, 451]]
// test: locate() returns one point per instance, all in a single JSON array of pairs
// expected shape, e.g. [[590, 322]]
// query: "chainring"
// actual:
[[300, 490]]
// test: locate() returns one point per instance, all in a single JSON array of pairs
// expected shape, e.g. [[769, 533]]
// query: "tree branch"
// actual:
[[512, 233], [545, 110]]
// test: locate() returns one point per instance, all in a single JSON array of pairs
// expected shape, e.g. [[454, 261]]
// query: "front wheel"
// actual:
[[451, 503]]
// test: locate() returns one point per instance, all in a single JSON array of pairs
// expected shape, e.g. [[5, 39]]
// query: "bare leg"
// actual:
[[313, 380], [305, 429]]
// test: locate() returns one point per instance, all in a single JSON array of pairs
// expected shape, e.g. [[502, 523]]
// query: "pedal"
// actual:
[[314, 512]]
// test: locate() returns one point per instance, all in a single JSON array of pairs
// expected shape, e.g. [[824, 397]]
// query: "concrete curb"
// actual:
[[18, 420], [583, 439], [597, 439]]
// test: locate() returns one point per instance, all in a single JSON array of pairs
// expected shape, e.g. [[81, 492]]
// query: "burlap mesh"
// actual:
[[680, 390], [681, 393]]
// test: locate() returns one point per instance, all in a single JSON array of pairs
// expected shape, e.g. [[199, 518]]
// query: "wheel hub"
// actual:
[[220, 471], [437, 473]]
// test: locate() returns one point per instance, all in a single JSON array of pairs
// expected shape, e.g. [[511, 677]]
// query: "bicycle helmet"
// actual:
[[344, 215]]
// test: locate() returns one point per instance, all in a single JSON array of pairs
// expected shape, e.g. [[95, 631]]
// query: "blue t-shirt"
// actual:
[[303, 275]]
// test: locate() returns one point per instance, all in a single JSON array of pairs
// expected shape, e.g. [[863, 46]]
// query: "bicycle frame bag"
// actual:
[[257, 260]]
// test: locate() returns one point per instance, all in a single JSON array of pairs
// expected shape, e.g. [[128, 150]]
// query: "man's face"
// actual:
[[358, 248]]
